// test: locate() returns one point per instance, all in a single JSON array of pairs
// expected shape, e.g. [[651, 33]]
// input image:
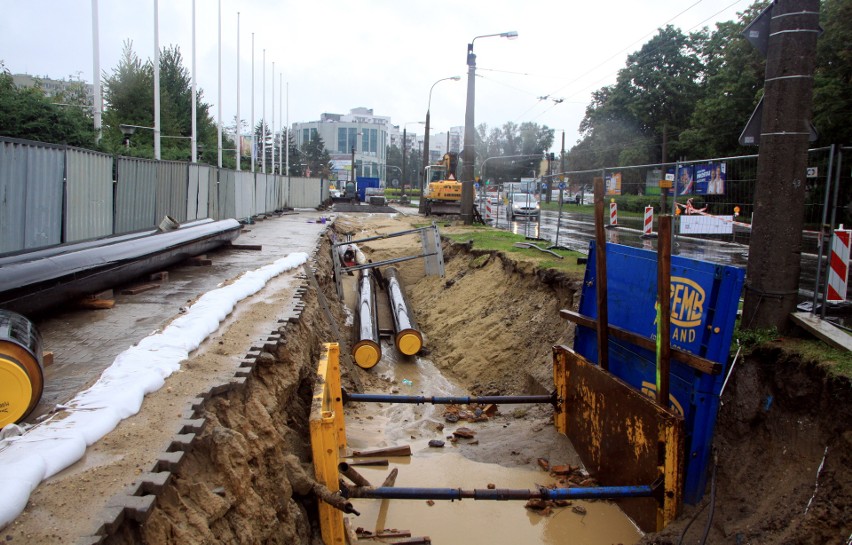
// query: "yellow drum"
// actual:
[[21, 371]]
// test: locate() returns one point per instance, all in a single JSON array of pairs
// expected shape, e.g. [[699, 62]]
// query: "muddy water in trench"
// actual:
[[375, 425]]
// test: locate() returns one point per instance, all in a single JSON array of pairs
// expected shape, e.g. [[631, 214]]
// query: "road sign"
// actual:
[[561, 185], [751, 133]]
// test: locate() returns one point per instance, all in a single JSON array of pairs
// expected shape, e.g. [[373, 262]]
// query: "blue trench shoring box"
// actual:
[[704, 302]]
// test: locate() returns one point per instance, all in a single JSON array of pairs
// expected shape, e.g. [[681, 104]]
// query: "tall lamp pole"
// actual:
[[405, 150], [469, 144], [422, 208]]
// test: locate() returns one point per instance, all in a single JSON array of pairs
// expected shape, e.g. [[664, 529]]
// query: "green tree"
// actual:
[[832, 107], [295, 156], [29, 114], [129, 98], [512, 141], [633, 120], [733, 86], [316, 157]]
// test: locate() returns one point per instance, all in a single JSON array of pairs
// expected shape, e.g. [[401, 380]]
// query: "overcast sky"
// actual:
[[381, 54]]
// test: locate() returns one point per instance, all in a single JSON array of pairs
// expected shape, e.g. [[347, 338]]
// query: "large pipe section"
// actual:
[[33, 286], [67, 247], [504, 494], [366, 351], [408, 339], [21, 374]]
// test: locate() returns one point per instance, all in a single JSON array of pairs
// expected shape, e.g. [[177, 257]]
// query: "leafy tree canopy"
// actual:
[[65, 118]]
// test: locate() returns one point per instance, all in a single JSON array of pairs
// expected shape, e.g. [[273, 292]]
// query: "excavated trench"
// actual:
[[489, 327]]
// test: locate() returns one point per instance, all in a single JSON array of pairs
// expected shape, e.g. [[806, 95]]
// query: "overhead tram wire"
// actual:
[[627, 47], [607, 60], [540, 98], [729, 6], [610, 74]]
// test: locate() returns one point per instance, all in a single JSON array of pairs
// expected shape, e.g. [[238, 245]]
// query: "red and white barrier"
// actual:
[[648, 228], [838, 266], [488, 212], [613, 214]]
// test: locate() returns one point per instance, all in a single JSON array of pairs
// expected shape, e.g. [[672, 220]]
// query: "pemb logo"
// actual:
[[687, 304]]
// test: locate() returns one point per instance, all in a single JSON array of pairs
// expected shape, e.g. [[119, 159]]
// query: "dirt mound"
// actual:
[[489, 323], [784, 456]]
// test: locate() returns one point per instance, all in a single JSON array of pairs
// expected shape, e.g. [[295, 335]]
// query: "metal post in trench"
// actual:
[[600, 282], [664, 262]]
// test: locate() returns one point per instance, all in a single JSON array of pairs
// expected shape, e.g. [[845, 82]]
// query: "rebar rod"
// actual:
[[449, 400]]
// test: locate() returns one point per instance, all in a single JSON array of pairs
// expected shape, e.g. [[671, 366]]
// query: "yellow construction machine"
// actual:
[[443, 193]]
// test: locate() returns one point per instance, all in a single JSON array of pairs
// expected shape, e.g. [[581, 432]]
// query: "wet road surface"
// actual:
[[574, 229]]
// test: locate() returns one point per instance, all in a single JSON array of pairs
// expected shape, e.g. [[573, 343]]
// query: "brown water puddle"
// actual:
[[472, 522]]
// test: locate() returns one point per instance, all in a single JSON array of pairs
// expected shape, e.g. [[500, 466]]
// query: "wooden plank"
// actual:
[[96, 304], [139, 289], [256, 247], [825, 331], [199, 261], [696, 362]]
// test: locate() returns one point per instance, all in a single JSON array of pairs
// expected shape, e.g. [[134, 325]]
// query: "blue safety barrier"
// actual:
[[704, 302]]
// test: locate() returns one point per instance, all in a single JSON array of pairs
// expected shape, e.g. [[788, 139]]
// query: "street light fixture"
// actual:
[[469, 145], [426, 139], [128, 130]]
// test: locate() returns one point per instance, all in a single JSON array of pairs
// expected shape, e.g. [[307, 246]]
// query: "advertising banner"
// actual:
[[710, 178], [613, 184]]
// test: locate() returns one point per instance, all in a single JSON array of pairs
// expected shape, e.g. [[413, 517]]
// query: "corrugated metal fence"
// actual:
[[51, 194]]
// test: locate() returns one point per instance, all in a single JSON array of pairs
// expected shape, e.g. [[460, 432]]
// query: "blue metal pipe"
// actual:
[[505, 494], [449, 400]]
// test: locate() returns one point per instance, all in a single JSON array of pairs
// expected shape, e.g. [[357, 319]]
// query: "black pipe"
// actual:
[[32, 287], [366, 351], [449, 400], [408, 339], [504, 494], [49, 251]]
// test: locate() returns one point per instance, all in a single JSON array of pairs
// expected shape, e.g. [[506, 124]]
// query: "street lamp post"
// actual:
[[422, 208], [405, 149], [469, 144]]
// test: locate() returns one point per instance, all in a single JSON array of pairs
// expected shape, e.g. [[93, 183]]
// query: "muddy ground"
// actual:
[[490, 324]]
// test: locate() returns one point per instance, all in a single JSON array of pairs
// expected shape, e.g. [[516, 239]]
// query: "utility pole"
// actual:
[[776, 239]]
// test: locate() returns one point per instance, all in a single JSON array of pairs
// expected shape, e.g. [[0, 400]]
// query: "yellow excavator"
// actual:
[[443, 194]]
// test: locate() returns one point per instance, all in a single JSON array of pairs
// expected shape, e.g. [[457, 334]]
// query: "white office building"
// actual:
[[367, 134]]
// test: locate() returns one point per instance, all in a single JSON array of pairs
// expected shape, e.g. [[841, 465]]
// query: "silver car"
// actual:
[[522, 205]]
